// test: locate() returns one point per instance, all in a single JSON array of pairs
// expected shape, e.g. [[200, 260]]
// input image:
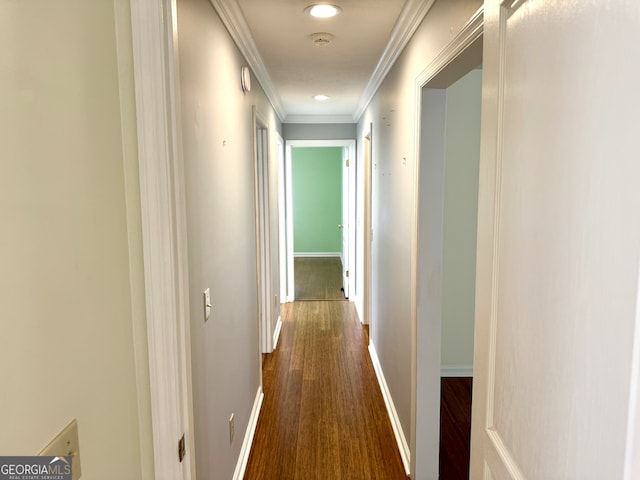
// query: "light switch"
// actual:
[[66, 444], [207, 304]]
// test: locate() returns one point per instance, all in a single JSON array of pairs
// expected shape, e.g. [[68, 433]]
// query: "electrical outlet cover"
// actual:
[[66, 444]]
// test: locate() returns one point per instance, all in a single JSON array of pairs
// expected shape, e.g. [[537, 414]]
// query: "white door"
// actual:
[[556, 366], [344, 226]]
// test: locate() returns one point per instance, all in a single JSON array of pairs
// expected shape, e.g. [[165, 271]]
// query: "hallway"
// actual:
[[323, 415], [318, 278]]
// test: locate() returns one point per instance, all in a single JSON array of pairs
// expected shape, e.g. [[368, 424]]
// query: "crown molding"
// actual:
[[233, 19], [408, 22]]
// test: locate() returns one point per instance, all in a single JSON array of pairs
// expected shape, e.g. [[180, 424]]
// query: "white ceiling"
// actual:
[[274, 35]]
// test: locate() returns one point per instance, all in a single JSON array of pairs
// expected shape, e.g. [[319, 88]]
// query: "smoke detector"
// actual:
[[320, 39]]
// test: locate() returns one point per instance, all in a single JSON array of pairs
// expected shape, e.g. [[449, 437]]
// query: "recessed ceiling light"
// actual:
[[323, 10], [321, 98]]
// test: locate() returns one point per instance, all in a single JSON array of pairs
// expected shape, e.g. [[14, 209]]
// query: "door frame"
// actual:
[[282, 221], [448, 66], [164, 234], [261, 148], [364, 291], [350, 145]]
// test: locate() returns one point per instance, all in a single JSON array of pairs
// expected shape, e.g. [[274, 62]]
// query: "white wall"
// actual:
[[460, 219], [71, 290], [557, 312], [393, 114], [218, 161]]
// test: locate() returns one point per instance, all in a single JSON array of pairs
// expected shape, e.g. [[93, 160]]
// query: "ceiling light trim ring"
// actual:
[[323, 10]]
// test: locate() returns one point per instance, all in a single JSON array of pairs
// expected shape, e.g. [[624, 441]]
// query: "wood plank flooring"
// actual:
[[318, 278], [455, 428], [323, 416]]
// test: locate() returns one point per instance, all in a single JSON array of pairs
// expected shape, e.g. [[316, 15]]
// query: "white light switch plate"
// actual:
[[65, 444]]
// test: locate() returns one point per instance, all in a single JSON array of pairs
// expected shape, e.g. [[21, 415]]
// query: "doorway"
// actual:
[[447, 205], [319, 218], [269, 306]]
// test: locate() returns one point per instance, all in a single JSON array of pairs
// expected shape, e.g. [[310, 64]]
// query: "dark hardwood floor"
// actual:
[[318, 278], [323, 416], [455, 428]]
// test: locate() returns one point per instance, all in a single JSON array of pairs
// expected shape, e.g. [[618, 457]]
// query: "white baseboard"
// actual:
[[357, 301], [456, 371], [403, 446], [248, 437], [276, 332], [317, 254]]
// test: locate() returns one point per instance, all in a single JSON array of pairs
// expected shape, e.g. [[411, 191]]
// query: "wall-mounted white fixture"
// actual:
[[323, 10], [207, 303], [245, 79], [66, 444]]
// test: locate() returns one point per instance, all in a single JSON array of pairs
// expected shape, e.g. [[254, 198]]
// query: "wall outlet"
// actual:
[[232, 428], [66, 444]]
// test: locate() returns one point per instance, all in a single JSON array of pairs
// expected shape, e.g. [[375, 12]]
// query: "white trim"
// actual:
[[366, 228], [282, 220], [403, 446], [500, 458], [231, 15], [261, 153], [632, 453], [469, 34], [163, 233], [245, 450], [350, 144], [317, 254], [408, 22], [276, 332], [456, 371], [289, 271]]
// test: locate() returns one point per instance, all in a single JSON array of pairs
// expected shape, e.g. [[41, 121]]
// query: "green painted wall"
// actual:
[[317, 199], [460, 219]]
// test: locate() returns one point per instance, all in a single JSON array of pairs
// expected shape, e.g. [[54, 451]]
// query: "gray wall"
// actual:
[[319, 131], [394, 155], [219, 175]]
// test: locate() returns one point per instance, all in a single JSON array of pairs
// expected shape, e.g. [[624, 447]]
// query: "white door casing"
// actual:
[[282, 220], [344, 226], [263, 230], [367, 228], [349, 146], [154, 28], [349, 193], [459, 56], [556, 345], [289, 271]]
